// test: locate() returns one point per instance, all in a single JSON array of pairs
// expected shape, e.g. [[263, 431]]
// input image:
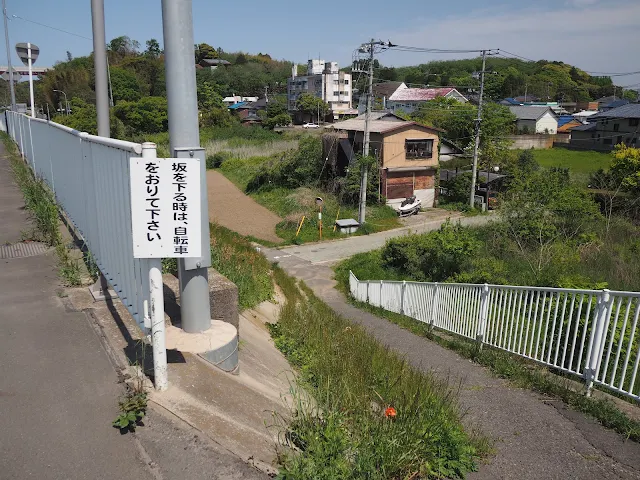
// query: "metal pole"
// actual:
[[184, 139], [156, 297], [100, 66], [9, 68], [476, 145], [363, 179], [30, 65]]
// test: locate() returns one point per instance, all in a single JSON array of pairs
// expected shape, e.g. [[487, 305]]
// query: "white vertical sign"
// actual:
[[165, 207]]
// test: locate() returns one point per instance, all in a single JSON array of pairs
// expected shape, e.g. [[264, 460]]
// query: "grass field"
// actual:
[[577, 161]]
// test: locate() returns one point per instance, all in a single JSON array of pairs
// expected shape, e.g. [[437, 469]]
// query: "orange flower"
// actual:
[[390, 412]]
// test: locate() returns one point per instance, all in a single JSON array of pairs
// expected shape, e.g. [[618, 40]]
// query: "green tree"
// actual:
[[124, 85], [212, 111], [147, 115], [153, 49], [241, 59], [312, 106], [526, 162], [544, 214], [204, 51], [625, 168], [123, 46]]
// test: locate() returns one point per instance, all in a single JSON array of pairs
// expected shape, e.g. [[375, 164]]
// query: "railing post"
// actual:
[[482, 321], [404, 288], [594, 351], [434, 306], [381, 302], [368, 284]]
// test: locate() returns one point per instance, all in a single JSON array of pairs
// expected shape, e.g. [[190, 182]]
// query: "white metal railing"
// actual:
[[89, 176], [590, 333]]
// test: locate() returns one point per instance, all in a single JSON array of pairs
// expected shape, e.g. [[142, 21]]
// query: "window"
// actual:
[[634, 141], [417, 149], [616, 127], [619, 140], [335, 94], [336, 82], [607, 141], [346, 82], [634, 122]]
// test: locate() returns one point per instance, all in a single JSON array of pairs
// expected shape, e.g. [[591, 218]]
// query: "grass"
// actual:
[[370, 414], [237, 259], [242, 149], [581, 163], [43, 213], [520, 372]]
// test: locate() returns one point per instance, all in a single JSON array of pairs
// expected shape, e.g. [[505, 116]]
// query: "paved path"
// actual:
[[333, 251], [59, 391], [231, 208], [536, 437]]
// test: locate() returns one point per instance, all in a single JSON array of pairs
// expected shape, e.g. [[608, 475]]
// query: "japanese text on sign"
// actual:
[[165, 207]]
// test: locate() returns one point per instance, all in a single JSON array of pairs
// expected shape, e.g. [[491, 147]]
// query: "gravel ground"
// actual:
[[231, 208]]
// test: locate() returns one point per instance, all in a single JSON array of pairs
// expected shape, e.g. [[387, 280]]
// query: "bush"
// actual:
[[459, 188], [434, 256], [215, 160]]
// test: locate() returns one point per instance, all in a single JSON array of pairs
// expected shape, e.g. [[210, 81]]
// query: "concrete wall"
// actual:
[[525, 142]]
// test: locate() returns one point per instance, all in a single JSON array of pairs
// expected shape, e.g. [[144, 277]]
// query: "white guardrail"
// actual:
[[89, 177], [589, 333]]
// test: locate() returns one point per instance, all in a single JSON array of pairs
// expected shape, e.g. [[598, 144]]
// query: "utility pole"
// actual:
[[184, 139], [9, 68], [100, 66], [476, 145], [370, 49]]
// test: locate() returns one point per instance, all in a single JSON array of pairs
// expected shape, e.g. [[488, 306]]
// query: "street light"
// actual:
[[66, 103]]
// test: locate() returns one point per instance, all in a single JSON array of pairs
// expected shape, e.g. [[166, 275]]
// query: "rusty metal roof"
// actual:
[[419, 94]]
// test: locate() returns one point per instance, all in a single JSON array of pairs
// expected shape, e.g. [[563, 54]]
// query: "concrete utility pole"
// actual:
[[100, 66], [476, 145], [369, 48], [184, 139], [9, 68]]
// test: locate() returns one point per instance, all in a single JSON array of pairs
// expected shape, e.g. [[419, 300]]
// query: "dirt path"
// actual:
[[231, 208]]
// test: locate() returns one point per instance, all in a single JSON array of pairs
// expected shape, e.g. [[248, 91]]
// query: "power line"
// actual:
[[52, 28]]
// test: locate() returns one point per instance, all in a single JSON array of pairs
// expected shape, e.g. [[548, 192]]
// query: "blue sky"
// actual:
[[595, 35]]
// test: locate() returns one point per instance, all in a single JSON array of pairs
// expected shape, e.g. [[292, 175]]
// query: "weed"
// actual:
[[237, 259], [372, 415], [133, 408]]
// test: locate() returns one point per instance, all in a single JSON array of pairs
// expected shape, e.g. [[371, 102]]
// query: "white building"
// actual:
[[535, 119], [228, 101], [325, 81]]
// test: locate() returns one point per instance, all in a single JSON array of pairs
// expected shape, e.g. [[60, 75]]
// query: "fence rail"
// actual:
[[89, 177], [590, 333]]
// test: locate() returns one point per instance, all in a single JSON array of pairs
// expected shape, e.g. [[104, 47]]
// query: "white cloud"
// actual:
[[600, 38]]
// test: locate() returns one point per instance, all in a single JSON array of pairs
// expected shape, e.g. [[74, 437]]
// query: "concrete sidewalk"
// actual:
[[536, 437], [59, 392]]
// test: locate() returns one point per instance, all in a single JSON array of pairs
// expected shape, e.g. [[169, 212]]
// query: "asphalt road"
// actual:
[[334, 251]]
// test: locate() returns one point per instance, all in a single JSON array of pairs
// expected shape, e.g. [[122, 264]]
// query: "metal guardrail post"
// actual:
[[434, 304], [404, 289], [594, 351], [482, 321], [156, 295]]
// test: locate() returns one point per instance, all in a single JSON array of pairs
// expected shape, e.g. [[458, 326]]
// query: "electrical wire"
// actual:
[[52, 28]]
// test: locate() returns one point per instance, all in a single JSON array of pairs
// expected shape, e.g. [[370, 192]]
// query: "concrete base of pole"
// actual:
[[194, 299], [218, 345]]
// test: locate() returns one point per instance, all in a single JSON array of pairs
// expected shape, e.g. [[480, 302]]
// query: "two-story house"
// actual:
[[407, 154], [325, 81], [609, 128]]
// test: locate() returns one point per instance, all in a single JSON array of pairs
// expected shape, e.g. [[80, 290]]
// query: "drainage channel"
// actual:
[[22, 250]]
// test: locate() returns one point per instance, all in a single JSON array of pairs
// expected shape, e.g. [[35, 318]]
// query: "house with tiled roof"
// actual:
[[407, 99]]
